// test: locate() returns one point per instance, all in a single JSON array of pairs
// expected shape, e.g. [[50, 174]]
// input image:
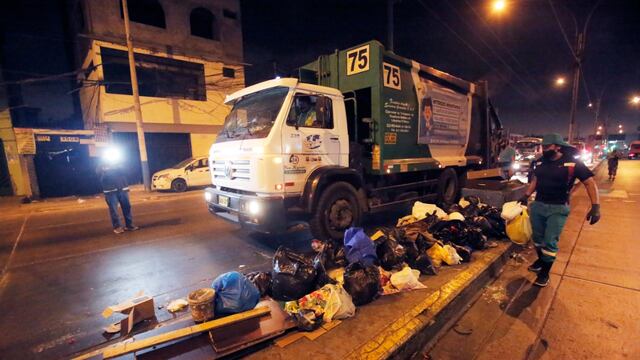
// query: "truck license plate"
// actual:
[[223, 200]]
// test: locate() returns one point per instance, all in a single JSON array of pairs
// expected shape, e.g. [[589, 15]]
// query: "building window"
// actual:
[[203, 24], [228, 72], [148, 12], [229, 14], [157, 76]]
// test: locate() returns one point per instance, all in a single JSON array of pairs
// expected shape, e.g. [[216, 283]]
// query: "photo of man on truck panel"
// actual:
[[426, 118]]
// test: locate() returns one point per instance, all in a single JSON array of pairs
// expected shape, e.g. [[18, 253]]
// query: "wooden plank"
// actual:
[[126, 347]]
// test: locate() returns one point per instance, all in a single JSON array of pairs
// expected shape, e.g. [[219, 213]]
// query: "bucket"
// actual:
[[201, 303]]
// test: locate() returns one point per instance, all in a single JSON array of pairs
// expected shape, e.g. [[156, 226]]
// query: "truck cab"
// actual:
[[358, 131]]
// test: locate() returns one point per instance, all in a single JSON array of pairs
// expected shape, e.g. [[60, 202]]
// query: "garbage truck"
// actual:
[[357, 131]]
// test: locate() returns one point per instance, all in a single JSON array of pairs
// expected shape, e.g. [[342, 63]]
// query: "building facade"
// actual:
[[188, 57]]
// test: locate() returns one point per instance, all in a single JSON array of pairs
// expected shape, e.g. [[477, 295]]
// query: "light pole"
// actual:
[[136, 101]]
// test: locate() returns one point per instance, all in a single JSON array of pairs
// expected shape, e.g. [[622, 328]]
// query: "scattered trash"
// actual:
[[201, 304], [262, 281], [407, 279], [359, 247], [463, 330], [177, 305], [234, 293], [80, 201], [511, 209], [137, 309], [362, 283], [293, 275], [420, 210], [241, 266], [391, 254]]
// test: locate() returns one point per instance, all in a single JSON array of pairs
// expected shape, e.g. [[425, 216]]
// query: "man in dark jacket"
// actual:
[[554, 176], [116, 190]]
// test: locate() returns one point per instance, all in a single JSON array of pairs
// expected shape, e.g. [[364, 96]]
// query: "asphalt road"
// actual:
[[61, 268]]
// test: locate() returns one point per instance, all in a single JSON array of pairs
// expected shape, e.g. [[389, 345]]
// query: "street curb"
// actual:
[[422, 325]]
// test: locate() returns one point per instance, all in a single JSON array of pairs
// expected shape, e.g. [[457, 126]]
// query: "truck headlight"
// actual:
[[208, 197], [254, 207]]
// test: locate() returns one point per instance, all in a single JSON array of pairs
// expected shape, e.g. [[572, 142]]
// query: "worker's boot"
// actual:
[[537, 265], [542, 279]]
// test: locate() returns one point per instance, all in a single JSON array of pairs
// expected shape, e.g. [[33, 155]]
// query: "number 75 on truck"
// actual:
[[357, 131]]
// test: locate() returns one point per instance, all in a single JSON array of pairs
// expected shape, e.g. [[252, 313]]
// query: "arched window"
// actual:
[[203, 24], [148, 12]]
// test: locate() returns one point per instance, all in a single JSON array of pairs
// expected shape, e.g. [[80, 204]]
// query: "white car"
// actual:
[[188, 173]]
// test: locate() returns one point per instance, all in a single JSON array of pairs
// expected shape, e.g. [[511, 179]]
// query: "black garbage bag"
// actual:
[[497, 222], [463, 251], [482, 223], [391, 254], [362, 283], [331, 256], [306, 320], [454, 208], [430, 219], [424, 264], [453, 231], [293, 275], [262, 280], [476, 239], [470, 211], [473, 199]]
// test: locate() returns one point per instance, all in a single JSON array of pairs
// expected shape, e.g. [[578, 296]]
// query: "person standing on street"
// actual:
[[506, 158], [116, 190], [553, 178], [612, 163]]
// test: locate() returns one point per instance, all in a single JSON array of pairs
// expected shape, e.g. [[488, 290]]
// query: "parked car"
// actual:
[[634, 150], [188, 173]]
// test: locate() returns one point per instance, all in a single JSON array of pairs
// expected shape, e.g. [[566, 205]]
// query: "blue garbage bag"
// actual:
[[359, 247], [234, 293]]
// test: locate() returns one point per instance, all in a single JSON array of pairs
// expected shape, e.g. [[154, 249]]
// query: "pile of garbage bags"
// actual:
[[337, 277]]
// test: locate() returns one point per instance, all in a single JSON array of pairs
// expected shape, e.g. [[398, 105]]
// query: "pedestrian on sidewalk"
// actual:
[[553, 179], [115, 189], [612, 163]]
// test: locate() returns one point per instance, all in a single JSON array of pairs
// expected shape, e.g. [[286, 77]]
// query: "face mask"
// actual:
[[549, 154]]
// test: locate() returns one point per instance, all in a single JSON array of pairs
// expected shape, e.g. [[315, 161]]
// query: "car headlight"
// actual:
[[163, 176], [531, 157], [516, 166], [254, 207], [208, 197]]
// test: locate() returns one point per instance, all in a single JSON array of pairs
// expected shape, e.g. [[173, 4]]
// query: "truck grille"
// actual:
[[231, 169]]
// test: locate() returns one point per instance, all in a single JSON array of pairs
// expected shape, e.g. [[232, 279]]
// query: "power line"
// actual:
[[564, 34]]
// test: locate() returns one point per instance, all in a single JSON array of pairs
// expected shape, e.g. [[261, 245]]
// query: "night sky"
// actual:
[[520, 52]]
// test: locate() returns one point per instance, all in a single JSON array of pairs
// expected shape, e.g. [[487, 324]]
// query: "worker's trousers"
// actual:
[[547, 221]]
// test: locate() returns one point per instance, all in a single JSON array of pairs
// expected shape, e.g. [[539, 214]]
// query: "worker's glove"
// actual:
[[594, 214], [524, 200]]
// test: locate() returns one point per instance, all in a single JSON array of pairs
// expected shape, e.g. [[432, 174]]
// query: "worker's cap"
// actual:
[[554, 138]]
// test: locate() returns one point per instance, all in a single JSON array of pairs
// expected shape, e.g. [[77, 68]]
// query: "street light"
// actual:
[[635, 100], [499, 6], [600, 127], [560, 81], [590, 105]]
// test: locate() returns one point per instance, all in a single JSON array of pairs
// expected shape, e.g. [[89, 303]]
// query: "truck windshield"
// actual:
[[253, 115], [526, 146]]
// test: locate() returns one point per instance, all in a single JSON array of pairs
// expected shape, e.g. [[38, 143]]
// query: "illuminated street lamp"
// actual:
[[635, 100], [590, 105], [620, 131], [560, 81], [499, 6], [600, 127], [620, 126]]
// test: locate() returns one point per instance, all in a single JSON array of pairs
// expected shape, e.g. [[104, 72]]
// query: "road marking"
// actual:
[[13, 250]]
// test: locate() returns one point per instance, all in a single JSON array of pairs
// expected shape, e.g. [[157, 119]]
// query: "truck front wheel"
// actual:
[[448, 187], [337, 210]]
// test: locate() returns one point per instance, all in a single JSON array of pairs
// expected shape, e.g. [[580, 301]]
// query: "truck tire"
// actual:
[[179, 185], [338, 209], [448, 187]]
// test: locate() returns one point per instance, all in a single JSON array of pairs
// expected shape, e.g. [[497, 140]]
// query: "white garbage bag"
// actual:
[[511, 209], [407, 279], [421, 210]]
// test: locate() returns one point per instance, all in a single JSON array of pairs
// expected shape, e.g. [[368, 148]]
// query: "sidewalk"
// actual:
[[590, 308], [13, 204]]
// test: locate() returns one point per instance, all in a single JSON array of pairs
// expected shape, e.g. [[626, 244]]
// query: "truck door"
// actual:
[[309, 139]]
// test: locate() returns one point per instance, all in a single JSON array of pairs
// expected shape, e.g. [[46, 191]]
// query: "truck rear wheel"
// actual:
[[448, 187], [337, 210]]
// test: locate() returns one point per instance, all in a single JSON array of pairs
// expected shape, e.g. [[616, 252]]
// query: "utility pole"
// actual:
[[576, 85], [390, 25], [136, 101]]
